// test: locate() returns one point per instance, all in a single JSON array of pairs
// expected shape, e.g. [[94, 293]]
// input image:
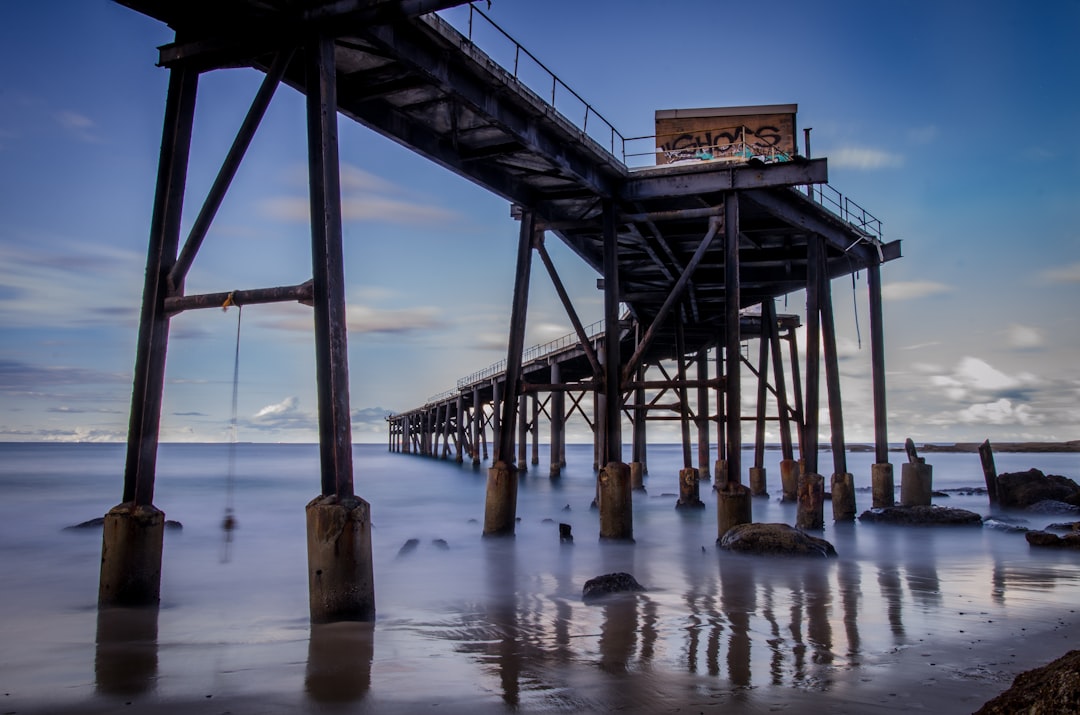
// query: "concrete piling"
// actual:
[[637, 473], [131, 556], [916, 483], [720, 474], [732, 507], [882, 485], [615, 502], [500, 506], [757, 482], [341, 585], [811, 511], [789, 480], [689, 490], [843, 497]]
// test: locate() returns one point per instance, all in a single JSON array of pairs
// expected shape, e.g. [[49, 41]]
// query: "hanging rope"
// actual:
[[855, 302], [228, 523]]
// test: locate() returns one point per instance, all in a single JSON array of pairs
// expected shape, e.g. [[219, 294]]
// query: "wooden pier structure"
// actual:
[[685, 251]]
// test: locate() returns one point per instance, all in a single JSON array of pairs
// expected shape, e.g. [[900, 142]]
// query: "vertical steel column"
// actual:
[[813, 355], [640, 447], [477, 422], [683, 393], [535, 429], [496, 418], [832, 369], [768, 317], [460, 406], [331, 349], [558, 412], [613, 403], [877, 358], [762, 391], [703, 413], [145, 420], [516, 346], [721, 390], [731, 305], [523, 432], [796, 391]]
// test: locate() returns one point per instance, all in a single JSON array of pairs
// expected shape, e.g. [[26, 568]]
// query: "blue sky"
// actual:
[[955, 127]]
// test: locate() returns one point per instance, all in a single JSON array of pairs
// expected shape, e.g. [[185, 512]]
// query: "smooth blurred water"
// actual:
[[487, 625]]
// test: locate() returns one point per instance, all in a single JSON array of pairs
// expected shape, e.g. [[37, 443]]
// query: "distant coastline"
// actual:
[[1070, 446]]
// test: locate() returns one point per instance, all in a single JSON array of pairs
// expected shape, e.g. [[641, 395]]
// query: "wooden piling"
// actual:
[[811, 511], [843, 497], [882, 485], [986, 456], [689, 490], [789, 480], [732, 507], [615, 502]]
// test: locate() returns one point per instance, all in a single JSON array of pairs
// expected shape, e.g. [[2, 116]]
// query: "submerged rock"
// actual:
[[440, 544], [1023, 489], [601, 586], [408, 547], [1053, 689], [774, 540], [1045, 538], [922, 516], [1053, 506], [1064, 526], [991, 522]]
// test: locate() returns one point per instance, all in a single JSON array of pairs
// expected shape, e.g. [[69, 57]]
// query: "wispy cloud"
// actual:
[[974, 379], [1063, 274], [18, 377], [854, 157], [284, 415], [1024, 337], [911, 290], [78, 125], [365, 319], [364, 197]]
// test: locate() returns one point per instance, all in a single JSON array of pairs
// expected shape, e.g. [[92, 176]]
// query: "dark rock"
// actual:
[[939, 495], [172, 524], [774, 540], [440, 544], [922, 516], [1000, 525], [408, 547], [1045, 538], [566, 508], [1053, 506], [1053, 689], [566, 535], [547, 520], [1064, 526], [601, 586], [1022, 489]]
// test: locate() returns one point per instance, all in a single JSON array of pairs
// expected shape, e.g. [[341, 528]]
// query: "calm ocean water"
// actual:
[[486, 626]]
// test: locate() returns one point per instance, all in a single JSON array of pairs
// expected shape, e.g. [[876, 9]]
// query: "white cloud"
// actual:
[[976, 379], [911, 290], [364, 319], [1000, 412], [1064, 274], [1023, 337], [852, 157]]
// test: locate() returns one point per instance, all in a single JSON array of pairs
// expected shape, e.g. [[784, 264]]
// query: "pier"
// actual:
[[691, 250]]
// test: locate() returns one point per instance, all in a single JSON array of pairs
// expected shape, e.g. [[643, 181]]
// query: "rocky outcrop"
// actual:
[[620, 582], [1045, 538], [99, 522], [774, 540], [1053, 689], [922, 516], [1022, 489]]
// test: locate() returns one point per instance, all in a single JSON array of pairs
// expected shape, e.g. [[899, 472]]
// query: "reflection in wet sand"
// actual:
[[339, 662], [126, 656]]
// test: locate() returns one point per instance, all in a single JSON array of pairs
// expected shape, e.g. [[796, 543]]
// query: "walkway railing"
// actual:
[[534, 353], [533, 74]]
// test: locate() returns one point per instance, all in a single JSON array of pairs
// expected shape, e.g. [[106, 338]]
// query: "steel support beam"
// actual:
[[146, 395], [813, 356], [733, 376], [613, 377], [832, 376], [331, 348], [504, 450], [877, 359]]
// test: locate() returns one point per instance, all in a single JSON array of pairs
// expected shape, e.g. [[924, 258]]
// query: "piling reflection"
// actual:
[[126, 653], [339, 662]]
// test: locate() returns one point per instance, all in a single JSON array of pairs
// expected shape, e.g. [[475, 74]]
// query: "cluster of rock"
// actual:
[[775, 540], [1053, 689], [922, 516], [619, 582], [1022, 490]]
